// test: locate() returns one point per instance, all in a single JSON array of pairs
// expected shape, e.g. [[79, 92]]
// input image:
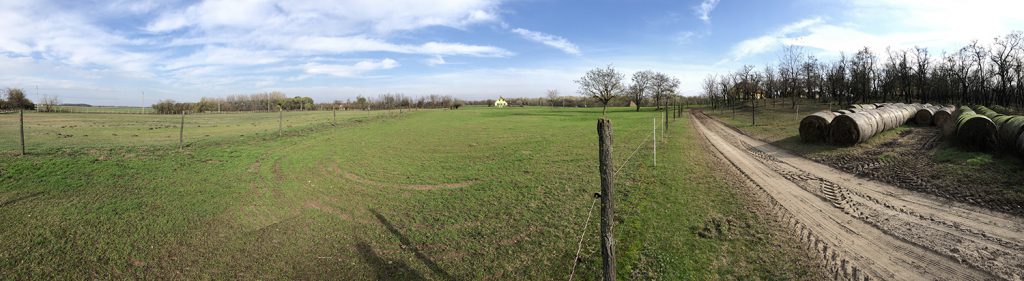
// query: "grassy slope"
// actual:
[[348, 201]]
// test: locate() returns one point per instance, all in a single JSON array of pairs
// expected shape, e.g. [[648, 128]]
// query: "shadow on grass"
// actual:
[[386, 269], [408, 245]]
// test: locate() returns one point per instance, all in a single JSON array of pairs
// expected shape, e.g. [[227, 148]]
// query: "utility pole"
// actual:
[[604, 131]]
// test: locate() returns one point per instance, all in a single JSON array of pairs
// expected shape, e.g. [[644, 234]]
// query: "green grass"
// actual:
[[475, 193], [957, 156], [46, 132], [104, 109]]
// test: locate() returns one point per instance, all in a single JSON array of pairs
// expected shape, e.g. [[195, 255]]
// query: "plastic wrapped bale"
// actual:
[[1010, 131], [975, 131], [850, 129], [981, 109], [814, 127], [1020, 143]]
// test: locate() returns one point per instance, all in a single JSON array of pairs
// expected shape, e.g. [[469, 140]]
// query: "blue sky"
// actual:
[[109, 52]]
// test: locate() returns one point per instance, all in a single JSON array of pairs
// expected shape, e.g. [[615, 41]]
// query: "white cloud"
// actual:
[[556, 42], [703, 10], [342, 70], [436, 60], [773, 40], [940, 25], [364, 44]]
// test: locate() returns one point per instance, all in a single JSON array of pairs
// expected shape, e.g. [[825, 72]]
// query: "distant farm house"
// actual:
[[500, 102]]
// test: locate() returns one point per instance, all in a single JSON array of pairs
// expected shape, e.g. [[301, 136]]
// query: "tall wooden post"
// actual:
[[280, 121], [335, 122], [666, 121], [654, 140], [21, 128], [181, 132], [604, 132]]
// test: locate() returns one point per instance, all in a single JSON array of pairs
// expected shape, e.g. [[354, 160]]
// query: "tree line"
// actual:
[[605, 85], [986, 74], [16, 100]]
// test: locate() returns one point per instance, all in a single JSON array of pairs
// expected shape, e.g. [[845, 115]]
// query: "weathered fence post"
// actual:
[[21, 128], [666, 122], [335, 122], [604, 132], [280, 121], [181, 132], [654, 140]]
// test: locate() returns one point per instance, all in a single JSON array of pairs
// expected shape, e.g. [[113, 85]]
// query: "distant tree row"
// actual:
[[397, 101], [16, 100], [975, 74], [607, 84]]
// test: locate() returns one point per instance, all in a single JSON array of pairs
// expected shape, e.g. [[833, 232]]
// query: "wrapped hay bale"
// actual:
[[1009, 131], [981, 109], [850, 129], [814, 127], [975, 131]]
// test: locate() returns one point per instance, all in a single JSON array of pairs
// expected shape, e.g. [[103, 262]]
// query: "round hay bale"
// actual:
[[1020, 144], [975, 131], [879, 123], [850, 129], [942, 115], [999, 120], [949, 126], [981, 109], [923, 117], [843, 111], [814, 127], [1010, 131]]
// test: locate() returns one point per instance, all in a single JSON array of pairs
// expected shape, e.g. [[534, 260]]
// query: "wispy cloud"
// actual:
[[703, 10], [773, 40], [345, 70], [556, 42]]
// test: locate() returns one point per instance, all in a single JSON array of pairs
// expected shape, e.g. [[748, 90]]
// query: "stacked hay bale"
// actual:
[[925, 114], [861, 124], [1008, 127], [942, 115], [814, 127], [975, 131]]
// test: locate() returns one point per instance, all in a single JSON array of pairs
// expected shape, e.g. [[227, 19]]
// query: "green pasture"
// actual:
[[470, 194]]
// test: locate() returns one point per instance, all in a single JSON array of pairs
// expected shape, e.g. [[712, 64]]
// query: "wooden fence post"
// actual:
[[654, 140], [21, 128], [181, 132], [666, 122], [604, 131], [335, 123], [280, 121]]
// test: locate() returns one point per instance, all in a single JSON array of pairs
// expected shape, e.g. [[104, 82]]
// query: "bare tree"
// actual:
[[790, 63], [711, 90], [662, 86], [552, 96], [602, 84], [642, 83]]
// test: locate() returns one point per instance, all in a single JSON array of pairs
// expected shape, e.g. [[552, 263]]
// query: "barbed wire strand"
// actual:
[[583, 232]]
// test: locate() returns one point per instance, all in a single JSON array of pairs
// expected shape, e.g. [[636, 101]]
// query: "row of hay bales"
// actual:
[[1000, 131], [933, 115], [856, 124]]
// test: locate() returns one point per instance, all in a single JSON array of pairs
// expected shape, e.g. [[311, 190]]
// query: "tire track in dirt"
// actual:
[[873, 229]]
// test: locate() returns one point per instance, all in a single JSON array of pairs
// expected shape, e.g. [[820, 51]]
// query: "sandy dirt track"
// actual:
[[865, 229]]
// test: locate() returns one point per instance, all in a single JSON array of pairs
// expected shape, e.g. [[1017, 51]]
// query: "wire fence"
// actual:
[[616, 172]]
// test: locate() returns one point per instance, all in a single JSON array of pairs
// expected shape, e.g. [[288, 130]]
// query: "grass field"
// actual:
[[46, 132], [476, 193]]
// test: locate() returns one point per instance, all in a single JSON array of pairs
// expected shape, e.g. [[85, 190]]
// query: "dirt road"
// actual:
[[869, 230]]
